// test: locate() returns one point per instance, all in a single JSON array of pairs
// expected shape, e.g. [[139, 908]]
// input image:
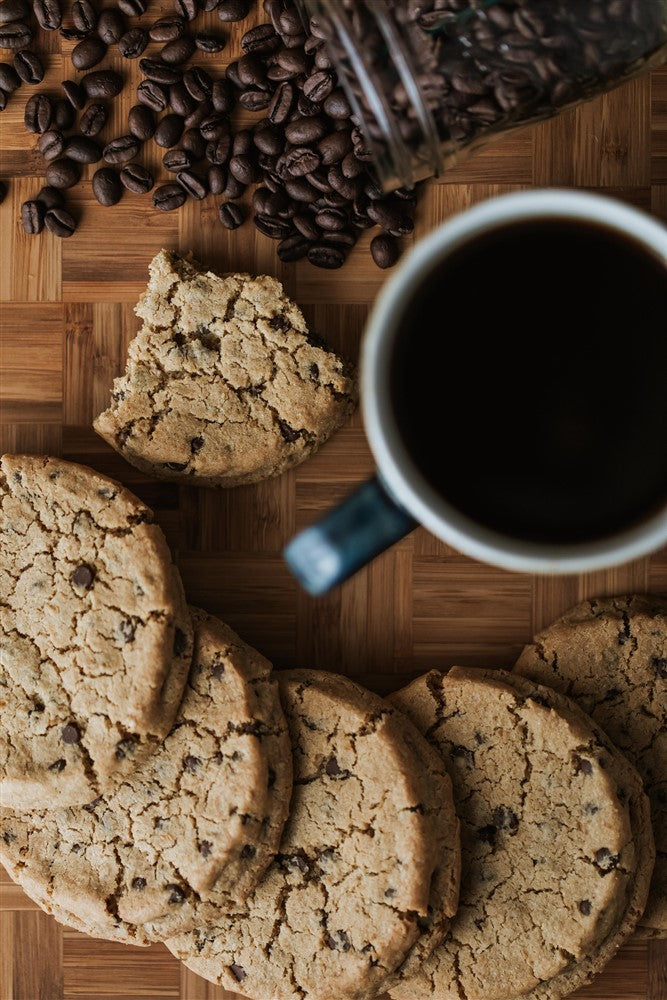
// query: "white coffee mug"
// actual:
[[400, 497]]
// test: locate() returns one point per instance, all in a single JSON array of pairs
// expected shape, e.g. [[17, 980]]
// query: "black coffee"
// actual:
[[529, 378]]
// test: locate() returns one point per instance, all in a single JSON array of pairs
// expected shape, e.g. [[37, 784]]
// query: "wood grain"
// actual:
[[66, 319]]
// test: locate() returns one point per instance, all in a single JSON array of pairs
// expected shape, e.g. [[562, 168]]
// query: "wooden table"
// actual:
[[66, 322]]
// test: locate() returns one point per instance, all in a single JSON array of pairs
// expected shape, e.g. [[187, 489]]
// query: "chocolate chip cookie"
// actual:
[[199, 821], [557, 850], [610, 655], [347, 897], [224, 384], [95, 635]]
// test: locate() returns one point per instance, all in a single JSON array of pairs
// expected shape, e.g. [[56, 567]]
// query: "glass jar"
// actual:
[[430, 80]]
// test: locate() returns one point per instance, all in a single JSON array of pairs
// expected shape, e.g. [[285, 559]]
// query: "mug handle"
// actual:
[[359, 529]]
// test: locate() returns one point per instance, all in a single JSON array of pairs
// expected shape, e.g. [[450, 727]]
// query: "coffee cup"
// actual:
[[514, 393]]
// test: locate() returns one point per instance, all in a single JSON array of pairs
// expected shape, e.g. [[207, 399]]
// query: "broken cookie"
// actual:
[[224, 385]]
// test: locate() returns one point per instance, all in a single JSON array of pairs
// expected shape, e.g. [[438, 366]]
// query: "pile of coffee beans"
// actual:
[[314, 191], [481, 66]]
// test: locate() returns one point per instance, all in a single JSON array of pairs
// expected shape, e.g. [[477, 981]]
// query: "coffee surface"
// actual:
[[529, 381]]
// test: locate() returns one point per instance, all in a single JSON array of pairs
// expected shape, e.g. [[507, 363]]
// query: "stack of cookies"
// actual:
[[294, 836]]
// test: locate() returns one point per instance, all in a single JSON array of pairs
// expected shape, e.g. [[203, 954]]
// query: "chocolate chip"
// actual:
[[585, 907], [205, 848], [582, 766], [218, 671], [271, 777], [606, 860], [196, 444], [139, 883], [338, 941], [505, 819], [92, 806], [191, 763], [8, 837], [288, 433], [659, 664], [238, 972], [463, 753], [333, 769], [175, 466], [389, 893], [83, 576], [248, 851], [487, 834], [177, 894], [126, 745], [70, 733], [126, 630], [58, 765]]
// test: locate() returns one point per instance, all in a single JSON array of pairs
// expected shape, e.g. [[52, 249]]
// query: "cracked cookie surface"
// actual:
[[198, 822], [344, 901], [224, 385], [556, 841], [95, 635], [610, 655]]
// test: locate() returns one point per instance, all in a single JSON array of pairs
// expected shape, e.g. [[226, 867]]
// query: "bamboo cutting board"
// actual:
[[66, 312]]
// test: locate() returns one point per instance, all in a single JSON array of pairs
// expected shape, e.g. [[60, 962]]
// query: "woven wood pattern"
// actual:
[[66, 311]]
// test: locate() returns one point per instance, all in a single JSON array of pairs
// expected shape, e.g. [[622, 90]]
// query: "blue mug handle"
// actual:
[[364, 525]]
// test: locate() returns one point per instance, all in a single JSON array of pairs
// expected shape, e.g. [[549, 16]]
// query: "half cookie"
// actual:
[[348, 895], [224, 385], [557, 850], [95, 635], [610, 655], [200, 820]]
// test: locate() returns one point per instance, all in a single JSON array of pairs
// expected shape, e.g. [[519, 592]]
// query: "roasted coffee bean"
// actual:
[[233, 10], [167, 29], [4, 97], [48, 14], [110, 26], [153, 95], [336, 105], [305, 130], [306, 226], [206, 6], [269, 139], [242, 144], [169, 130], [318, 86], [299, 162], [51, 197], [141, 122], [231, 216], [74, 93], [73, 34], [218, 150], [136, 178], [344, 238], [199, 115], [89, 52], [168, 197], [195, 185], [38, 113], [389, 217], [217, 179], [300, 190], [187, 9], [194, 143], [178, 51], [244, 169], [28, 67], [294, 247], [206, 42], [9, 78], [133, 8], [180, 101], [331, 219], [32, 217], [3, 191], [107, 187], [60, 222], [122, 149], [175, 160], [295, 61], [64, 115], [82, 149], [275, 229], [133, 43], [334, 147], [198, 83], [255, 100], [14, 10], [328, 257], [161, 72], [262, 38], [62, 173], [232, 74], [222, 96], [51, 144], [93, 120], [15, 35], [102, 83], [233, 188], [265, 202], [250, 69], [281, 104], [84, 15], [215, 126]]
